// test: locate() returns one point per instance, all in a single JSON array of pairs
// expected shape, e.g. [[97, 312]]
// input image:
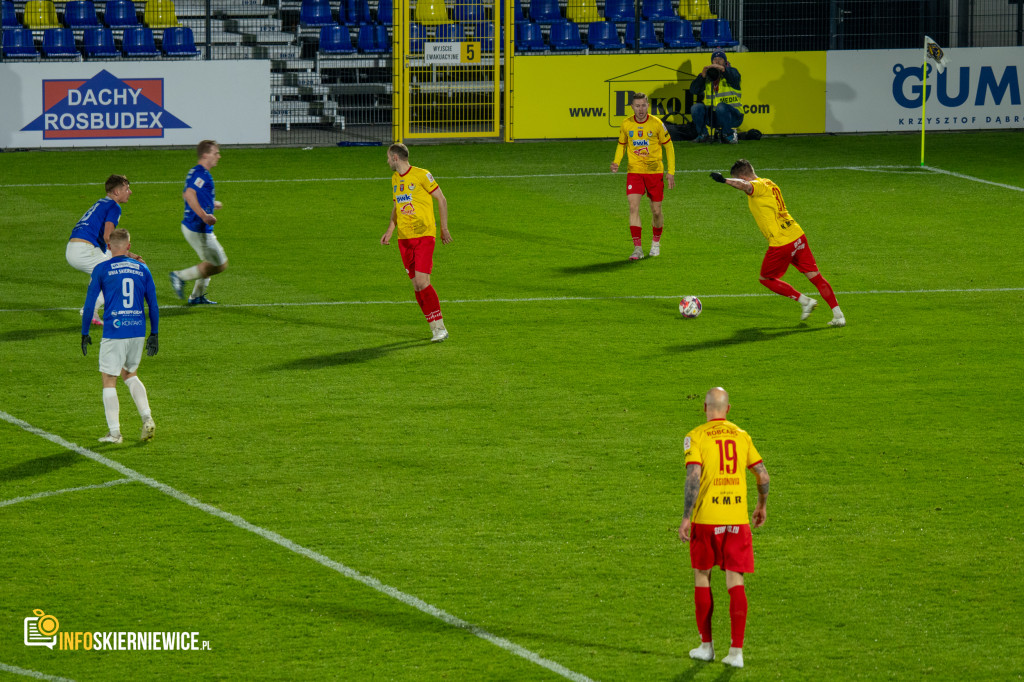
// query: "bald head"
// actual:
[[716, 403]]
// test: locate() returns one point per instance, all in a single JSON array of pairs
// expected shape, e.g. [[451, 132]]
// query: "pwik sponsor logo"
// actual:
[[104, 107]]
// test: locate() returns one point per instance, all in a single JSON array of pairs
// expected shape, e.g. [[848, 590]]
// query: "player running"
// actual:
[[197, 227]]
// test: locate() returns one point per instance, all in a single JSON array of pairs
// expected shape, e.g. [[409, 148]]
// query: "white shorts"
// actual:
[[118, 354], [84, 257], [206, 246]]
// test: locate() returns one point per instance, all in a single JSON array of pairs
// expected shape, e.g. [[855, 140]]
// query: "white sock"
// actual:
[[836, 312], [99, 306], [200, 287], [113, 410], [189, 274], [138, 391]]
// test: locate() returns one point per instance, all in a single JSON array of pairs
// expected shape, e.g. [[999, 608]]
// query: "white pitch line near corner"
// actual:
[[973, 179], [557, 299], [277, 539], [51, 493], [31, 673]]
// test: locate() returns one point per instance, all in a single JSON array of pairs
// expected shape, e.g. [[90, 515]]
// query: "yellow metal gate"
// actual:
[[449, 65]]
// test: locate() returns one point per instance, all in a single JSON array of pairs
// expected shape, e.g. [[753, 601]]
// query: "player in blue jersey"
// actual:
[[124, 282], [197, 226], [87, 246]]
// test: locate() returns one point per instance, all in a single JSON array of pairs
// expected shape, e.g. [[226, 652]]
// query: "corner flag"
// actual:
[[934, 52]]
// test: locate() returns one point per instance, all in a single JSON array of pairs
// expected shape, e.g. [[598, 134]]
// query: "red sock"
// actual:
[[738, 614], [657, 233], [705, 607], [636, 231], [780, 287], [429, 304], [825, 289]]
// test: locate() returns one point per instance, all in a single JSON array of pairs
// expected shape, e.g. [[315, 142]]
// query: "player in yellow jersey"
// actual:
[[642, 138], [413, 192], [717, 457], [787, 243]]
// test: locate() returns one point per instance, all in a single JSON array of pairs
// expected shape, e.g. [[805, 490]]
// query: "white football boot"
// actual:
[[734, 657], [705, 652]]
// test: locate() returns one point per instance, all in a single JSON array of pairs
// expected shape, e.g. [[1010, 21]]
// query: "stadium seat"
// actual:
[[695, 10], [619, 10], [582, 11], [59, 42], [470, 11], [99, 42], [716, 33], [80, 14], [430, 12], [485, 34], [179, 42], [648, 38], [41, 14], [566, 36], [120, 14], [602, 35], [354, 12], [18, 44], [450, 33], [138, 42], [385, 12], [367, 40], [336, 40], [417, 36], [545, 12], [679, 35], [315, 13], [517, 12], [10, 17], [659, 10], [160, 14], [529, 38]]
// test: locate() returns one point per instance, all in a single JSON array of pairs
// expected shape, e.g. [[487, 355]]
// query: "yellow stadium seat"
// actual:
[[431, 12], [41, 14], [160, 14], [583, 11], [695, 10]]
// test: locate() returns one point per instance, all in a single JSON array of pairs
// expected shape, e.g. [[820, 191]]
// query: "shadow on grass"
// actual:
[[40, 466], [349, 357], [697, 666], [30, 334], [595, 268], [751, 335]]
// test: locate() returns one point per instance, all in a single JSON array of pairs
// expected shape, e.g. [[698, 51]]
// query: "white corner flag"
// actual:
[[934, 52]]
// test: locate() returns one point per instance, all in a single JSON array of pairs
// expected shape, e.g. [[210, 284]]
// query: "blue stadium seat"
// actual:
[[517, 12], [316, 13], [336, 40], [179, 42], [529, 38], [120, 14], [80, 14], [354, 12], [679, 34], [565, 36], [367, 39], [449, 33], [381, 38], [18, 43], [470, 11], [716, 33], [417, 36], [659, 10], [59, 42], [138, 42], [545, 12], [99, 42], [485, 34], [10, 17], [385, 12], [648, 38], [619, 10], [602, 35]]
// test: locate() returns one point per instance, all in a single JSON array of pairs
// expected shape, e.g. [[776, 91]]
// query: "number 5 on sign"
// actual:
[[470, 53]]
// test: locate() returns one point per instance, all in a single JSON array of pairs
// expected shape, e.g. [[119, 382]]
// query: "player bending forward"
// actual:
[[787, 243], [717, 457]]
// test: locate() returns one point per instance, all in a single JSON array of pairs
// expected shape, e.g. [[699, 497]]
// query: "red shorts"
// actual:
[[417, 255], [730, 547], [651, 184], [779, 258]]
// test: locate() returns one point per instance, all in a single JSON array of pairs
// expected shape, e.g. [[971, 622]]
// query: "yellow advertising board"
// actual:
[[579, 96]]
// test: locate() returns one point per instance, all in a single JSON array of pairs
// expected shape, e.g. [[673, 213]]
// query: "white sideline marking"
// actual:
[[31, 673], [51, 493], [526, 176], [270, 535], [974, 179], [556, 299]]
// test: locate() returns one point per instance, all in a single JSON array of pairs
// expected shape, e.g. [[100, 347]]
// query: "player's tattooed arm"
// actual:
[[692, 489], [763, 480]]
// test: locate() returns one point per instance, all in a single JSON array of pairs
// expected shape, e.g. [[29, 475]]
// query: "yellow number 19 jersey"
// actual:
[[725, 452], [770, 213]]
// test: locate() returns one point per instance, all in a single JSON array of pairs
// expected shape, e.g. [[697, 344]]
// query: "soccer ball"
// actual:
[[690, 306]]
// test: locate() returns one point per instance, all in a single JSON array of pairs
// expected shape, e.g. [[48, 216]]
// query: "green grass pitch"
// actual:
[[525, 477]]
